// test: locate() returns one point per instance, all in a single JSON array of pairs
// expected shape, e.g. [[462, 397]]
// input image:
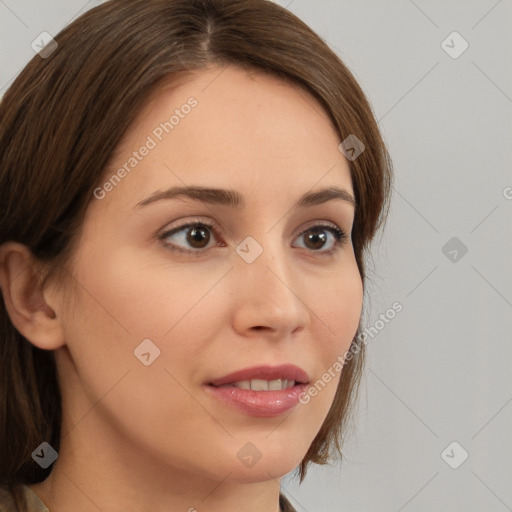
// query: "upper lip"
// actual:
[[284, 371]]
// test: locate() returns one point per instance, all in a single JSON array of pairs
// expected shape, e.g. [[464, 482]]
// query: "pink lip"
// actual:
[[261, 403]]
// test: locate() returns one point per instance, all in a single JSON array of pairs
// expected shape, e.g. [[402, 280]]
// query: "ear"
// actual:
[[25, 299]]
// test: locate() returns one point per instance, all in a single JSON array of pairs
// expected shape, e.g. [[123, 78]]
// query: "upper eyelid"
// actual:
[[214, 226]]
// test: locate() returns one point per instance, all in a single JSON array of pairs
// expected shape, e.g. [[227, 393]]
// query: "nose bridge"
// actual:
[[268, 286]]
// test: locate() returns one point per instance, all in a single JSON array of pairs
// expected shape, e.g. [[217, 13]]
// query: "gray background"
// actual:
[[440, 371]]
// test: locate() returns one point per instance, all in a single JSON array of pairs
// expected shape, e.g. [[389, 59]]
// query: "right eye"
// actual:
[[196, 234]]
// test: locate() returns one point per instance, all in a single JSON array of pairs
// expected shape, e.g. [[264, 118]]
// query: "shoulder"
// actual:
[[284, 504], [31, 501], [6, 500]]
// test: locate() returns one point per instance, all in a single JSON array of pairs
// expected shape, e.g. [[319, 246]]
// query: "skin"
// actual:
[[148, 438]]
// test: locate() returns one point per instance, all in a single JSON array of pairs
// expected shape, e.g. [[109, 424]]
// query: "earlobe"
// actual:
[[24, 297]]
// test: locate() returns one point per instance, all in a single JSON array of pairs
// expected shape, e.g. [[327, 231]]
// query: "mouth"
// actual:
[[262, 391], [260, 384], [264, 378]]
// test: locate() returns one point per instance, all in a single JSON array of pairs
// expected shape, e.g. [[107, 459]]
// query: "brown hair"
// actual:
[[63, 117]]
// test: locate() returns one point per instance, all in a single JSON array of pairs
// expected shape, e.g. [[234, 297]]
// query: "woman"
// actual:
[[189, 189]]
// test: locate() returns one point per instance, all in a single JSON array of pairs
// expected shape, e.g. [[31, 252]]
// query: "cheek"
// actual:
[[340, 307], [143, 299], [116, 308], [124, 299]]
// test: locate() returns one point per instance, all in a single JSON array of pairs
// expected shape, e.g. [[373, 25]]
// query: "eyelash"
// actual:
[[339, 235]]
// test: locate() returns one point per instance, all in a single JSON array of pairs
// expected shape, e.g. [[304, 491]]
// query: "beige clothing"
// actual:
[[36, 505]]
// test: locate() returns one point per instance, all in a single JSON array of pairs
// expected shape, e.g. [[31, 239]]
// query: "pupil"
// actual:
[[316, 236], [198, 235]]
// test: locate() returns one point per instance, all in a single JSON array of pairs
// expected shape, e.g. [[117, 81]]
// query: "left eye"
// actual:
[[197, 235], [317, 234]]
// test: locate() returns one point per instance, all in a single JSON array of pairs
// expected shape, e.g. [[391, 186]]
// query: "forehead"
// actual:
[[231, 128]]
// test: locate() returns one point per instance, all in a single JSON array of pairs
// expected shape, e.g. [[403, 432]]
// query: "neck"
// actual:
[[114, 480]]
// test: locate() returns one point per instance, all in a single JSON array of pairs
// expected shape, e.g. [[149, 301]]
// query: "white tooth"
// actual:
[[259, 385], [243, 384], [262, 385], [275, 384]]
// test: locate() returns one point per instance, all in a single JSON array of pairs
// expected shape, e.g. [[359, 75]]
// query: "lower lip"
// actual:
[[263, 404]]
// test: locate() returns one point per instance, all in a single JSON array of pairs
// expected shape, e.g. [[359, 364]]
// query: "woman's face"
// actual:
[[150, 328]]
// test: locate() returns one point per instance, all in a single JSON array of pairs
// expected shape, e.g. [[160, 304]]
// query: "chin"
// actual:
[[261, 460]]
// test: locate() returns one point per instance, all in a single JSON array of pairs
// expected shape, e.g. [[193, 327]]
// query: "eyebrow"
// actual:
[[234, 199]]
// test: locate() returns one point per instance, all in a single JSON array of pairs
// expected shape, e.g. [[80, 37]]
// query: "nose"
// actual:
[[269, 295]]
